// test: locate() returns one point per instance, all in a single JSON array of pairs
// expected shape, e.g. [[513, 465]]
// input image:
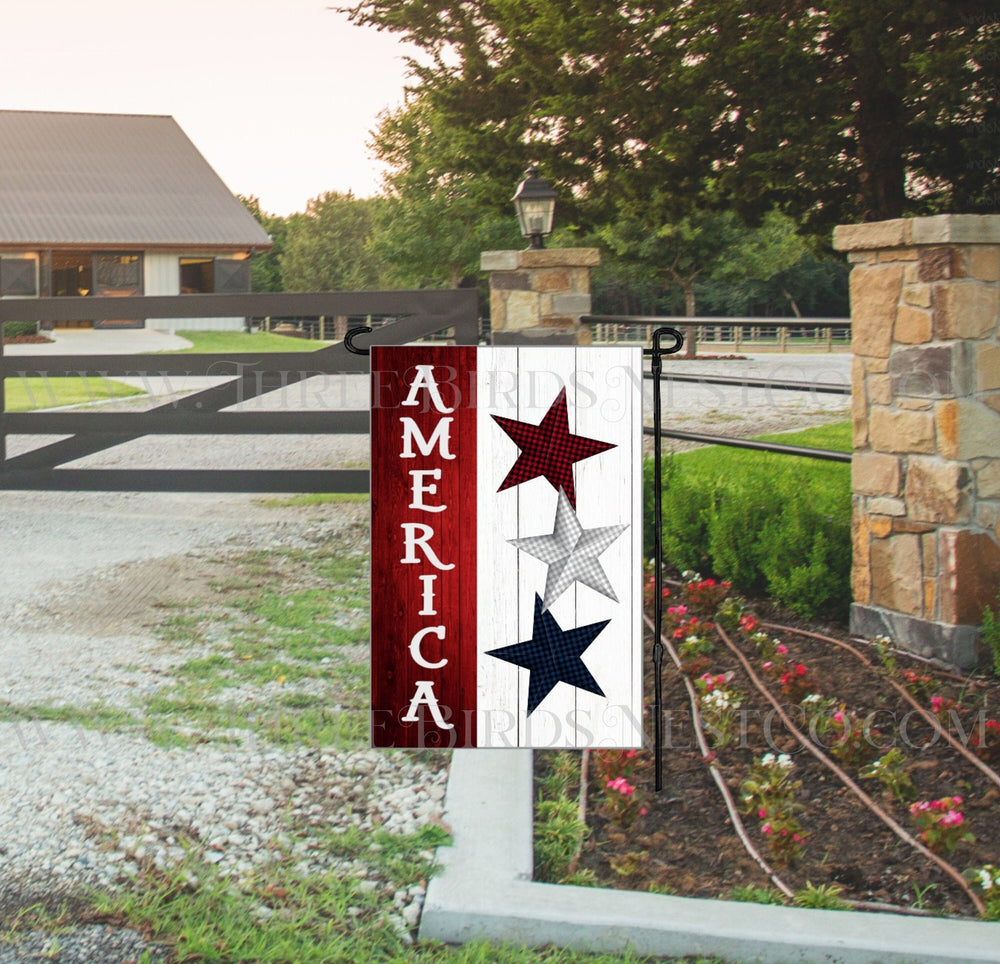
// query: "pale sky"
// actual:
[[278, 95]]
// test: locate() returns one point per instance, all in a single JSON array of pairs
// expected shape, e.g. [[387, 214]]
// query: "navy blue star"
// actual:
[[553, 654]]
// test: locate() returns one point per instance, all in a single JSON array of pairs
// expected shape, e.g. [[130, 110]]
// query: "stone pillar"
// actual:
[[925, 294], [535, 292]]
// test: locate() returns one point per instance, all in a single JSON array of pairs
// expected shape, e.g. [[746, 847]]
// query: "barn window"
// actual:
[[72, 274], [117, 274], [232, 275], [18, 278], [204, 276], [197, 276]]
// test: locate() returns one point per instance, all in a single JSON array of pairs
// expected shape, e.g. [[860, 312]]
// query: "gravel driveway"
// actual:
[[81, 577]]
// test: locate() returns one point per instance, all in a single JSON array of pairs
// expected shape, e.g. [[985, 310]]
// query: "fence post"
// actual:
[[547, 288], [925, 294]]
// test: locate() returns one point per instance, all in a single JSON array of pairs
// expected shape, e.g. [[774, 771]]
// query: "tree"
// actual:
[[840, 112], [327, 246], [705, 245], [265, 266], [435, 223]]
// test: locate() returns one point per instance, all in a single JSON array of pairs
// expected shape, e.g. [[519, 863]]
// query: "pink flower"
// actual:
[[956, 799], [643, 811], [838, 717], [621, 785], [767, 828], [783, 649], [936, 702], [762, 813], [952, 819], [768, 666]]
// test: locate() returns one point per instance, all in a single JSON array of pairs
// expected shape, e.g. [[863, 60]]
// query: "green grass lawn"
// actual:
[[218, 342], [723, 458], [28, 394]]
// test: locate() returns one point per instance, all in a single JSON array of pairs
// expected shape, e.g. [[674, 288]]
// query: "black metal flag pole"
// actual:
[[657, 352]]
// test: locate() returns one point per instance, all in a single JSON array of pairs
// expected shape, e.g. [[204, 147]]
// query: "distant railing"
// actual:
[[732, 333]]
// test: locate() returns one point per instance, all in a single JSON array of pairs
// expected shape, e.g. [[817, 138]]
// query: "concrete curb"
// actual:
[[485, 892]]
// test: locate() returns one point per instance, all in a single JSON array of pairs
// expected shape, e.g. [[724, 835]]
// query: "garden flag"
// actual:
[[506, 546]]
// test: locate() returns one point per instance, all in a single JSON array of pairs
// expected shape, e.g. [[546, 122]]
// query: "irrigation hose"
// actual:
[[927, 716], [734, 817], [898, 830]]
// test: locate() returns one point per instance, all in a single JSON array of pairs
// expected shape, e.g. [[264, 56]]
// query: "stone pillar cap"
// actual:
[[904, 232], [540, 258]]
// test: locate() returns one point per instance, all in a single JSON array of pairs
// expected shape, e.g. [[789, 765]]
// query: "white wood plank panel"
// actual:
[[496, 563], [607, 401], [543, 373]]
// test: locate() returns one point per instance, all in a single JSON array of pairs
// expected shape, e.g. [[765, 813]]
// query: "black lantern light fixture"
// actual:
[[535, 201]]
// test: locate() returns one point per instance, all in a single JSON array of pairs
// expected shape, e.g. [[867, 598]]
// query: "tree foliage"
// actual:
[[436, 222], [839, 112], [327, 247], [265, 266]]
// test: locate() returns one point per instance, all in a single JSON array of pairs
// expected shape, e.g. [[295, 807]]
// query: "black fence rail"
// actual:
[[405, 316], [829, 388]]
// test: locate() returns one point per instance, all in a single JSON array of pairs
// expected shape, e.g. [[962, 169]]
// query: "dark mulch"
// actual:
[[685, 844]]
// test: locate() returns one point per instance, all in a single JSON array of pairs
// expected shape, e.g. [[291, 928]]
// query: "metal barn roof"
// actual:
[[112, 179]]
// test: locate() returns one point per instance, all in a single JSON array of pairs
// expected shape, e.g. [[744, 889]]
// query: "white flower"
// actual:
[[767, 760], [812, 698], [720, 700], [785, 761], [693, 639]]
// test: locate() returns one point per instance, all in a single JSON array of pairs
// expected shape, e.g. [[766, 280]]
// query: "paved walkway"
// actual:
[[102, 341]]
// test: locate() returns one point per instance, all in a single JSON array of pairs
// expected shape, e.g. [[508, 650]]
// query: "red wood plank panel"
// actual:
[[423, 538]]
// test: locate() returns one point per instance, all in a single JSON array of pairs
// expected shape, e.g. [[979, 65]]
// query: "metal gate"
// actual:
[[398, 317]]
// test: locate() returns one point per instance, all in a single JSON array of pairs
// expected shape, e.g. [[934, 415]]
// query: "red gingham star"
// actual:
[[548, 449]]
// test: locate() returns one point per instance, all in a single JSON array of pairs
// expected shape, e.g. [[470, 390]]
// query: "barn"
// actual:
[[104, 205]]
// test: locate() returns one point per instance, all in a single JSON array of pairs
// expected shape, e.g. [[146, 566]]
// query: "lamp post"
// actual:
[[535, 201]]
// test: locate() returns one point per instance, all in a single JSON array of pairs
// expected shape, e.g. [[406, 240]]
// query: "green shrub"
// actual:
[[990, 631], [807, 557], [558, 833], [742, 505], [686, 511], [12, 329], [769, 523]]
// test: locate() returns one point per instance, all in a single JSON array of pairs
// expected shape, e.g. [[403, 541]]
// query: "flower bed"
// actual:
[[855, 773], [27, 340]]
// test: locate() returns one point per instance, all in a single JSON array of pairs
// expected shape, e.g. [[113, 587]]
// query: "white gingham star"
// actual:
[[571, 552]]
